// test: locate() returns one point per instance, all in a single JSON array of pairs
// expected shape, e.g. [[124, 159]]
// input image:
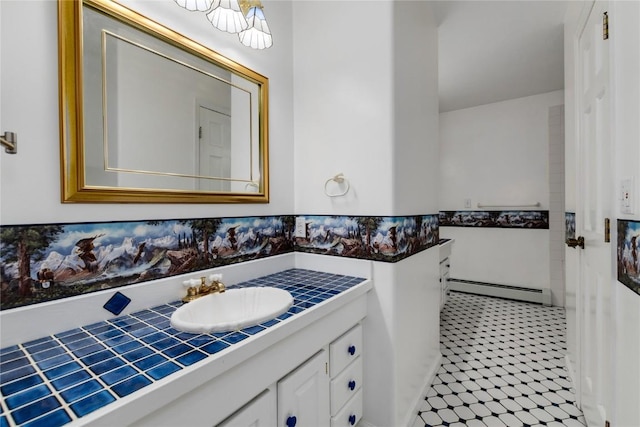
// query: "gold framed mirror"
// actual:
[[150, 116]]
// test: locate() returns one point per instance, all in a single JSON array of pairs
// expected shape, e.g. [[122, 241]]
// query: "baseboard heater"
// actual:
[[540, 296]]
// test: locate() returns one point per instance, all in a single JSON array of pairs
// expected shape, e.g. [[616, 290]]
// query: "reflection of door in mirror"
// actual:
[[214, 149]]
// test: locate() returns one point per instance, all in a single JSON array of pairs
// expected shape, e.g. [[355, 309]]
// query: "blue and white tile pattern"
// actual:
[[57, 379], [502, 366]]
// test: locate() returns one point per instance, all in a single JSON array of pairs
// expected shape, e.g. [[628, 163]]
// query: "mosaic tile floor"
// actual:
[[502, 365]]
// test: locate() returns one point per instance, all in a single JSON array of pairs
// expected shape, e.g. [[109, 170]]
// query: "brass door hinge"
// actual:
[[607, 230], [200, 132], [605, 26]]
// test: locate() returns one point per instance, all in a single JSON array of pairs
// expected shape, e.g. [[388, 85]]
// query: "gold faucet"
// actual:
[[195, 292]]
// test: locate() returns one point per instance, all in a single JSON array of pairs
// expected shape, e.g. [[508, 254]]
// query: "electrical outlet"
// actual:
[[467, 203], [301, 227]]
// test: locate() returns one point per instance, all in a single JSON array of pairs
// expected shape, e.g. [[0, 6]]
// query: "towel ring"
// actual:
[[339, 179]]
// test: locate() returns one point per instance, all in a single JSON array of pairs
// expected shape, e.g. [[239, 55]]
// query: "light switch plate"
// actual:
[[301, 228], [627, 196]]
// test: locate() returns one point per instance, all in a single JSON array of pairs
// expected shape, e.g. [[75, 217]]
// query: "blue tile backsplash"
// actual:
[[56, 379]]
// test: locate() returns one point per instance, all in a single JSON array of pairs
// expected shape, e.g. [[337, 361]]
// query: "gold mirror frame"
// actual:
[[72, 143]]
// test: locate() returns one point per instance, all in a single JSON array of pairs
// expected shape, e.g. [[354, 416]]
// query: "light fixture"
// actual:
[[226, 15], [257, 35], [195, 5], [244, 17]]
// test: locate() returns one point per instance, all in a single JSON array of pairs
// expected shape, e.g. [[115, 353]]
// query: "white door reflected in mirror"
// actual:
[[214, 150]]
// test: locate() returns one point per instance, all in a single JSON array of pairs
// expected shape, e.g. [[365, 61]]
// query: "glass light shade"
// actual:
[[257, 35], [195, 5], [227, 16]]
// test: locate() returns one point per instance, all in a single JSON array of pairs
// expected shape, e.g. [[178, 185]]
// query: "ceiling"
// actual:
[[491, 51]]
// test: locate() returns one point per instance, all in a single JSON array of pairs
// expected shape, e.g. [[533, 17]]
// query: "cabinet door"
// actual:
[[260, 412], [303, 395]]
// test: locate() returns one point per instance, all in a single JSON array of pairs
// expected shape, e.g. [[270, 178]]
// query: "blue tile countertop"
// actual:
[[57, 379]]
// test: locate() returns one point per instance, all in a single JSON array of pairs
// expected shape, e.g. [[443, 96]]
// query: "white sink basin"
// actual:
[[231, 310]]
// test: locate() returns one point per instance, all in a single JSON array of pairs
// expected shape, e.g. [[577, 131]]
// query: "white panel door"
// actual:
[[303, 395], [214, 150], [595, 202]]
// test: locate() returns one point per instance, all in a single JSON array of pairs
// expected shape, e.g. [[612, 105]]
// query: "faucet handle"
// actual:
[[192, 291], [215, 277], [216, 282], [190, 283]]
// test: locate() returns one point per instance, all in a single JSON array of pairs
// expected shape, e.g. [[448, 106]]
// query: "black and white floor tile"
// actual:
[[502, 365]]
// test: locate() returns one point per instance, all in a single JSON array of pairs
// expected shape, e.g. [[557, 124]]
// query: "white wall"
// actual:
[[365, 104], [416, 168], [30, 180], [498, 154], [415, 191], [557, 223], [343, 94], [625, 39]]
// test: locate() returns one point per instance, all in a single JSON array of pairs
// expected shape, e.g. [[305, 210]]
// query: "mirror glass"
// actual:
[[159, 118]]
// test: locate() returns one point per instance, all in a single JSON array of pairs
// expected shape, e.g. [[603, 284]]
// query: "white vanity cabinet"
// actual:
[[303, 395], [309, 368], [327, 389], [444, 281], [445, 247]]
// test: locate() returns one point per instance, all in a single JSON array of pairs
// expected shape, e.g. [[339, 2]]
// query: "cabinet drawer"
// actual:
[[346, 385], [351, 413], [444, 266], [344, 350]]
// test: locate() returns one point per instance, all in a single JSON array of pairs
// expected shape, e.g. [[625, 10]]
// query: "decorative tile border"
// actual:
[[377, 238], [46, 262], [495, 219], [570, 225], [629, 254], [58, 379]]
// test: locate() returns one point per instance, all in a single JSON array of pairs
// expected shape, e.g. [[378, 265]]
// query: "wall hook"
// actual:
[[10, 141]]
